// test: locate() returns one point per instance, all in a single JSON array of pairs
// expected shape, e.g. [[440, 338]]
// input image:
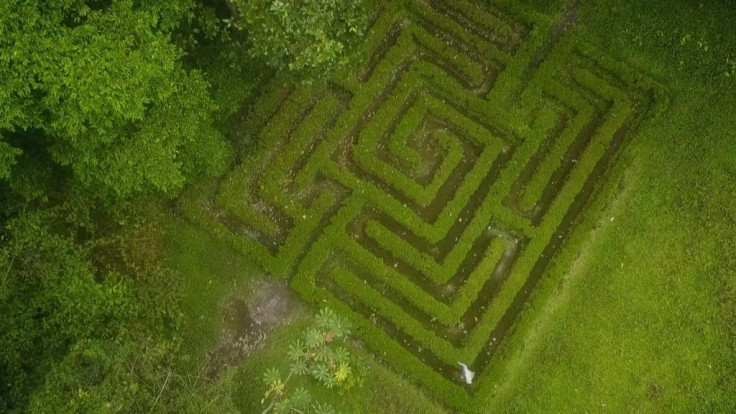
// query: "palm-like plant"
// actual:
[[319, 354]]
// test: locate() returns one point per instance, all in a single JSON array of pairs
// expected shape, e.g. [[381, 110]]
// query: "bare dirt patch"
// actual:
[[246, 324]]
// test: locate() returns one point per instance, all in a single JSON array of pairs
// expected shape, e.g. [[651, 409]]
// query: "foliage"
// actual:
[[319, 354], [93, 326], [105, 88], [303, 37], [520, 162], [214, 45], [95, 106], [7, 159], [98, 104], [132, 376], [52, 304]]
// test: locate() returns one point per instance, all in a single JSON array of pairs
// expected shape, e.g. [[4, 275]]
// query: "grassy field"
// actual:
[[646, 323], [645, 318], [215, 274]]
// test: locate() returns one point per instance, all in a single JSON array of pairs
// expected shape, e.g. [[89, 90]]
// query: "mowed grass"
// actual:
[[646, 319]]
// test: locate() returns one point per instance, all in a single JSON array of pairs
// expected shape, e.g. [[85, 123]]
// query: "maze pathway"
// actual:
[[428, 194]]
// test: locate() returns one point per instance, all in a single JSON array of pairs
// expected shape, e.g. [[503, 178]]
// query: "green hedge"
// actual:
[[332, 157]]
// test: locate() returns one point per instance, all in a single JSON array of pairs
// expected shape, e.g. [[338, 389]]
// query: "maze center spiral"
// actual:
[[425, 194]]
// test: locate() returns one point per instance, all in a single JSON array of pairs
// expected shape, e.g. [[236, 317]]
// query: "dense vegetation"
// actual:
[[132, 132], [429, 192], [105, 112]]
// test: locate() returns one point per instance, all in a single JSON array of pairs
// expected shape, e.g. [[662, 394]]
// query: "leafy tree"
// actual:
[[104, 87], [135, 376], [51, 303], [304, 37], [320, 354], [8, 156], [98, 104], [91, 327]]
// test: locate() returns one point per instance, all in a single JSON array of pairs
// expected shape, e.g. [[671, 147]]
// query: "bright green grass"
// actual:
[[643, 324], [382, 390], [212, 273], [645, 321]]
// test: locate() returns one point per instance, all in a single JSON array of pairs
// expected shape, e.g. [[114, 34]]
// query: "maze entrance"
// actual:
[[426, 194]]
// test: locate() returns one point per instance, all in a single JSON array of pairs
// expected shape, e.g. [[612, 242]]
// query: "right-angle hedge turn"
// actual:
[[434, 194]]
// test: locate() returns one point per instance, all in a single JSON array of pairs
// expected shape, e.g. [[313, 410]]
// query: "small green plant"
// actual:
[[321, 354], [730, 67]]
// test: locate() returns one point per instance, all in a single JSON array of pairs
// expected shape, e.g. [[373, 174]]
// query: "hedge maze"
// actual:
[[427, 193]]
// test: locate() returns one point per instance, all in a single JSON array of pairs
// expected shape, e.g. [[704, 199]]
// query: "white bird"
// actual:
[[468, 375]]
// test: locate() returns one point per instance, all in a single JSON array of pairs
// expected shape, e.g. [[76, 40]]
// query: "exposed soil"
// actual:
[[571, 14], [247, 323]]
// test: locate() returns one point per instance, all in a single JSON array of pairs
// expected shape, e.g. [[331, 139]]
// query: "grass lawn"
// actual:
[[213, 274], [645, 320]]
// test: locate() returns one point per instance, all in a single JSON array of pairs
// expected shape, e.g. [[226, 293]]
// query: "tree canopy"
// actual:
[[105, 112], [101, 88], [96, 104], [302, 36]]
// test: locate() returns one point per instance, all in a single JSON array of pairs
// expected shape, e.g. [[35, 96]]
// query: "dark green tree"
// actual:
[[52, 302], [80, 334], [95, 105], [102, 85], [305, 37]]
